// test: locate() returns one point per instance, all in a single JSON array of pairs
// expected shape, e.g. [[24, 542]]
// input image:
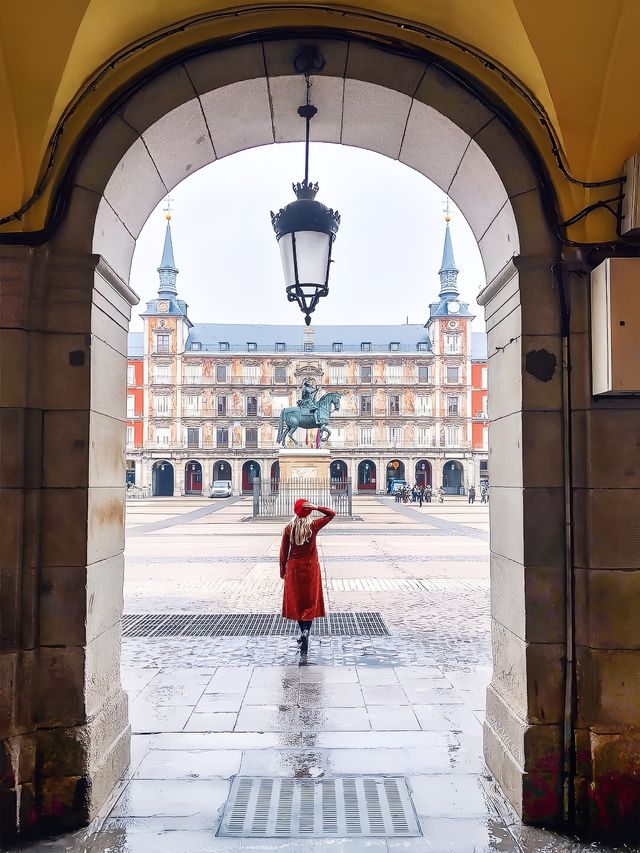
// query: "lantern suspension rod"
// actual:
[[307, 112]]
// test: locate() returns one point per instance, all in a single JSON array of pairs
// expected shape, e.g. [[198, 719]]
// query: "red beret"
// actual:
[[300, 509]]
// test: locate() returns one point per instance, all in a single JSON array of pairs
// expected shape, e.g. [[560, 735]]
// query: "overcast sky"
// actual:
[[387, 252]]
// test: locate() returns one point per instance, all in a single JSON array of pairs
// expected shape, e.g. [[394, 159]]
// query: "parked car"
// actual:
[[220, 489], [396, 485]]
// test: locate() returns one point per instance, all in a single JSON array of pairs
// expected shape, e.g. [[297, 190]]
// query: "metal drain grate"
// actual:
[[248, 625], [352, 806]]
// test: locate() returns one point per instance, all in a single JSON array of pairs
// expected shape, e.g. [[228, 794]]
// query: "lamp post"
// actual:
[[306, 228]]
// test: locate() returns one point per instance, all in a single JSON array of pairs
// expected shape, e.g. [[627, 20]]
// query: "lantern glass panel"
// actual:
[[286, 254], [312, 251]]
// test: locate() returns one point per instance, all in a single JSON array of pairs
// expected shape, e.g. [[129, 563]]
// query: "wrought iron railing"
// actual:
[[275, 498]]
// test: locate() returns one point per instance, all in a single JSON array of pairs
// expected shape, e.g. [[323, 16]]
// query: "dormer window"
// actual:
[[394, 346], [365, 346], [196, 345], [280, 346], [308, 346], [252, 346], [224, 346], [422, 346], [337, 346]]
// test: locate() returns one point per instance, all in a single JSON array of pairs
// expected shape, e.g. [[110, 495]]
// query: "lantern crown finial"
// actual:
[[306, 189]]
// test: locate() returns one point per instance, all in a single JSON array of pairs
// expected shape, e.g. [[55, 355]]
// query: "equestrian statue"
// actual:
[[310, 413]]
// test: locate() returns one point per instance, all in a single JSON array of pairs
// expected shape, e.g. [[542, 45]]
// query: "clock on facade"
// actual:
[[453, 307], [163, 306]]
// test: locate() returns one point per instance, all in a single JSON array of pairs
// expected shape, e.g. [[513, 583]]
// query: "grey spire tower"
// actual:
[[448, 271], [167, 270]]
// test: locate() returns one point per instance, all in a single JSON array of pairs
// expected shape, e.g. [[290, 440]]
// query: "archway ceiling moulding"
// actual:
[[577, 64], [137, 158]]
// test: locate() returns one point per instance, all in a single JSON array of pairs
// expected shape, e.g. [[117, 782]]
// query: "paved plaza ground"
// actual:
[[206, 709]]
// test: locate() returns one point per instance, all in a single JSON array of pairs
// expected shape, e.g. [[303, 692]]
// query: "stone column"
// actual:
[[64, 735], [524, 721]]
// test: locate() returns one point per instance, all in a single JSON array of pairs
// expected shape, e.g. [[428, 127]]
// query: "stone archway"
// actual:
[[193, 478], [395, 470], [423, 473], [338, 471], [162, 479], [222, 470], [453, 477], [250, 473], [176, 121], [367, 476]]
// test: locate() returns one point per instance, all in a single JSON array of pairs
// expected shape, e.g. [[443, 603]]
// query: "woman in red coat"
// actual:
[[300, 568]]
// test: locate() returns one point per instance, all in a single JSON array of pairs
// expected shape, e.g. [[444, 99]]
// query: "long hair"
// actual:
[[300, 529]]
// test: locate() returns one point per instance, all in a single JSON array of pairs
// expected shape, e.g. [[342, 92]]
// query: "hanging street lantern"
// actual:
[[306, 228]]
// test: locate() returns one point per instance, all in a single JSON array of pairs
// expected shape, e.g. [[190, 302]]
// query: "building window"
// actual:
[[193, 437], [453, 406], [192, 374], [131, 374], [453, 375], [485, 438], [483, 380], [422, 346], [336, 374], [337, 346], [252, 407], [424, 374], [221, 407], [452, 436], [424, 437], [224, 346], [395, 436], [393, 373], [251, 374], [193, 405], [280, 374], [221, 373], [278, 403], [162, 374], [308, 346], [280, 346], [129, 436], [131, 406], [394, 404], [366, 436], [196, 345], [222, 437], [162, 404], [251, 438], [365, 373], [452, 344], [394, 346], [423, 405], [162, 343], [366, 405], [365, 346], [163, 435], [252, 346]]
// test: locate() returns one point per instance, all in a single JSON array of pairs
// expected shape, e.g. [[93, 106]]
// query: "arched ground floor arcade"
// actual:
[[562, 732]]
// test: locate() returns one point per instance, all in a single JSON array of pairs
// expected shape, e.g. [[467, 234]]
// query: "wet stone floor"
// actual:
[[206, 709]]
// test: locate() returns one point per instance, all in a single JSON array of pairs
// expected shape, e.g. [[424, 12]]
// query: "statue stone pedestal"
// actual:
[[304, 464]]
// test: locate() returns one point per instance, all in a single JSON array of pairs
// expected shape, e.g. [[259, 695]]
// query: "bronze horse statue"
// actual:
[[294, 416]]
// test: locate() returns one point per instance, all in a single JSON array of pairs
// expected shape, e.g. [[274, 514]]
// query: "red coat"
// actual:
[[300, 568]]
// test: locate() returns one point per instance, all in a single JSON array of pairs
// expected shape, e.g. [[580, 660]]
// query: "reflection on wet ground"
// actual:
[[204, 710]]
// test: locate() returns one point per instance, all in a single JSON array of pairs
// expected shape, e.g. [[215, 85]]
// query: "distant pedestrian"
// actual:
[[472, 494], [300, 568], [440, 494], [484, 494], [428, 494], [420, 495]]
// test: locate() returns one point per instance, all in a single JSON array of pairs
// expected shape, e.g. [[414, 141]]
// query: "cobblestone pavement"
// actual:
[[204, 710]]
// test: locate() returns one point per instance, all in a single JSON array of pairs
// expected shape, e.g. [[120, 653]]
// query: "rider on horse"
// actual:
[[308, 398]]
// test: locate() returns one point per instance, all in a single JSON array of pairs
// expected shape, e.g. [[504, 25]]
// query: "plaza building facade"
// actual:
[[204, 400]]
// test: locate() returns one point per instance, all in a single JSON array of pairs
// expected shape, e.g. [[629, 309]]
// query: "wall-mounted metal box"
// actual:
[[615, 326]]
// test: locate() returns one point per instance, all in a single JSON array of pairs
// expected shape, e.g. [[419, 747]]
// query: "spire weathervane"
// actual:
[[167, 210], [448, 271]]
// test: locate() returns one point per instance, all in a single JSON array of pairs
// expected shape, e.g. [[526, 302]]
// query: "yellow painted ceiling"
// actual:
[[579, 58]]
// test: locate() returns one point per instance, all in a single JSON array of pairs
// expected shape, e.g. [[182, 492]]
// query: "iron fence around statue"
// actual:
[[275, 498]]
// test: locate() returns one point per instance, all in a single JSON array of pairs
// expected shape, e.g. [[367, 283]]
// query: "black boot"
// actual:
[[304, 642]]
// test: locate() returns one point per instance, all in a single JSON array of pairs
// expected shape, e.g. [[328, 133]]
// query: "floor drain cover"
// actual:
[[349, 806], [248, 625]]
